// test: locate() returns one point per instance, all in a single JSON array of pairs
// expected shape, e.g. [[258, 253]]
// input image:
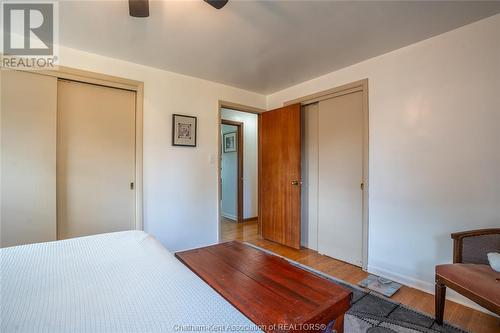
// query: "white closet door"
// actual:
[[340, 166], [309, 226], [95, 159], [28, 155]]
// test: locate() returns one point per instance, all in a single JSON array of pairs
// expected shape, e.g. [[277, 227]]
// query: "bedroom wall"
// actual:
[[434, 146], [250, 159], [180, 184]]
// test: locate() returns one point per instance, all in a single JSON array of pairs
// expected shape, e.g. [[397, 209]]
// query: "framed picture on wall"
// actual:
[[230, 142], [183, 130]]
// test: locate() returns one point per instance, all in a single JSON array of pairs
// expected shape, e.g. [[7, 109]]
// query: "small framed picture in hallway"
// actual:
[[230, 142]]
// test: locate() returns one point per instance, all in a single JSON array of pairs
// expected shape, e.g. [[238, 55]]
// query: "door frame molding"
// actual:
[[79, 75], [239, 152], [356, 86], [242, 108]]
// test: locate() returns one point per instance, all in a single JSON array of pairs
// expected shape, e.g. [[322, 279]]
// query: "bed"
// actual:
[[116, 282]]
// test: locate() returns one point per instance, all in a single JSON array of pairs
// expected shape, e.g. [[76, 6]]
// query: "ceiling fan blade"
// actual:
[[138, 8], [217, 3]]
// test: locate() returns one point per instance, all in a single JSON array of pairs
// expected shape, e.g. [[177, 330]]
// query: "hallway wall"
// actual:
[[250, 158], [229, 177]]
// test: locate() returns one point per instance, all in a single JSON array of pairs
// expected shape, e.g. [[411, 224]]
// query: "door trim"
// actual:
[[361, 85], [73, 74], [242, 108], [239, 151]]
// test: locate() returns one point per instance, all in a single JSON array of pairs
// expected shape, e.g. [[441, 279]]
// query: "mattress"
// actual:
[[116, 282]]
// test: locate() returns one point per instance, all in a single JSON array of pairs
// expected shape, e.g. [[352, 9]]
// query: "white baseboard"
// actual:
[[426, 287], [229, 216]]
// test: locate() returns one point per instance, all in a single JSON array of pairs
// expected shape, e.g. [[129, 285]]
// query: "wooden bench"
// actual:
[[277, 296]]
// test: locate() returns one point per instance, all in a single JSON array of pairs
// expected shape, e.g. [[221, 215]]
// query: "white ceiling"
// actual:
[[262, 46]]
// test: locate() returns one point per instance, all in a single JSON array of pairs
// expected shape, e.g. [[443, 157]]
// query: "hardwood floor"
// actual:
[[459, 315]]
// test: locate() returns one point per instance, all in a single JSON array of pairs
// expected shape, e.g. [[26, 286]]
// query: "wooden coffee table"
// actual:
[[267, 289]]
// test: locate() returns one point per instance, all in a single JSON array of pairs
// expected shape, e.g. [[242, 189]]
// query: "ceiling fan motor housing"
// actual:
[[138, 8], [217, 3]]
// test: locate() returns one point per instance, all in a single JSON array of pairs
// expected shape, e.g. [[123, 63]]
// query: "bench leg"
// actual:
[[338, 326], [439, 297]]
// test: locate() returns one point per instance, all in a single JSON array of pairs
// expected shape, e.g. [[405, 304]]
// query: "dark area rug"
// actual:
[[373, 313]]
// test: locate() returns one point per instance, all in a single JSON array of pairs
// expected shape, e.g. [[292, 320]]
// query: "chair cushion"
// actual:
[[477, 282]]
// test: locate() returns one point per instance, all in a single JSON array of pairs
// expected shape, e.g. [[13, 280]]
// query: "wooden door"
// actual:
[[95, 159], [340, 196], [279, 168]]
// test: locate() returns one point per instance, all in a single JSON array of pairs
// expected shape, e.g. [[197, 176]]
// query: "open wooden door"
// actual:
[[280, 177]]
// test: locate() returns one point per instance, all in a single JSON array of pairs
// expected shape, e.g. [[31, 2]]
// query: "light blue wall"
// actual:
[[250, 158], [229, 174]]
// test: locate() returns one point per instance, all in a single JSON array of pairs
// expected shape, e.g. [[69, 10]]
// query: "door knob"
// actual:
[[295, 182]]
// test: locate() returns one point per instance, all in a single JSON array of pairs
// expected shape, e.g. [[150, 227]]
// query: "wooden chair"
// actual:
[[470, 273]]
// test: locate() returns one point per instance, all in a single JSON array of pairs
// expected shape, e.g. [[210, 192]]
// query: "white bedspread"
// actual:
[[116, 282]]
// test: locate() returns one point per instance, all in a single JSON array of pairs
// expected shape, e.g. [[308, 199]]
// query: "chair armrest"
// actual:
[[459, 236]]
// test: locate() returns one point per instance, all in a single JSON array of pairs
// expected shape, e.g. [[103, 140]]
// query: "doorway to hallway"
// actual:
[[238, 191]]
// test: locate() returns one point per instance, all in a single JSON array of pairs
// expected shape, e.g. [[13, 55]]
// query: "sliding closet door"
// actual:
[[95, 159], [28, 158], [340, 166]]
